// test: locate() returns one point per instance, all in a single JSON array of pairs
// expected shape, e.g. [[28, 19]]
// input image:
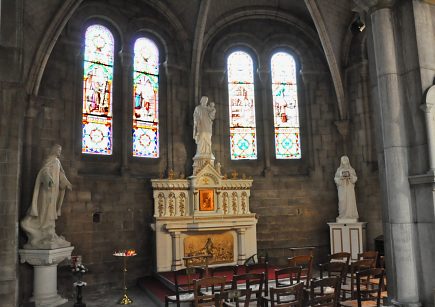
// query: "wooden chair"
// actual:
[[335, 268], [325, 292], [202, 297], [253, 281], [260, 268], [286, 296], [227, 270], [184, 285], [287, 276], [341, 257], [306, 262], [369, 255], [368, 294], [350, 288], [233, 298]]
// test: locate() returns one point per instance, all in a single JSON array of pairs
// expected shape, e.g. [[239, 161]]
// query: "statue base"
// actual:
[[44, 262], [199, 161], [346, 220], [348, 237]]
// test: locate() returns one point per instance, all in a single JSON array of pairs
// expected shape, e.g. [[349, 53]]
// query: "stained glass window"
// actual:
[[146, 99], [241, 106], [285, 107], [97, 91]]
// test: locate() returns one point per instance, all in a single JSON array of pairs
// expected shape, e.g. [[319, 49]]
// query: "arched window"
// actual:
[[241, 106], [97, 91], [285, 107], [145, 99]]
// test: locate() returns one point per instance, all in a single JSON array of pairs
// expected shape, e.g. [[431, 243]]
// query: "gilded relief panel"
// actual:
[[220, 246]]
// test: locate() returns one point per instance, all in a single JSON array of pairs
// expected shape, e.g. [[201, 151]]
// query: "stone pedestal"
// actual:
[[348, 237], [44, 262]]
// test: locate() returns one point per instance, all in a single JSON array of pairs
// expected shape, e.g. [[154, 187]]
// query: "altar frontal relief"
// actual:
[[220, 246]]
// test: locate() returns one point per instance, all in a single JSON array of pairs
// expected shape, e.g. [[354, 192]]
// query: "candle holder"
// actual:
[[125, 300]]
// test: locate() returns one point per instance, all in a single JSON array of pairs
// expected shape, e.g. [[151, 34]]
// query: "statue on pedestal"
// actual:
[[345, 178], [203, 117], [48, 195]]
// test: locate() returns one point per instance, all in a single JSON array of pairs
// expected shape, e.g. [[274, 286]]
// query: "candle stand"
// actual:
[[125, 300]]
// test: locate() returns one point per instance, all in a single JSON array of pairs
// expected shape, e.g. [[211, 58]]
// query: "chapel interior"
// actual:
[[361, 86]]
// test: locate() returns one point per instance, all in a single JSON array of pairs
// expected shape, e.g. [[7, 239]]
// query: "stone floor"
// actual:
[[138, 296]]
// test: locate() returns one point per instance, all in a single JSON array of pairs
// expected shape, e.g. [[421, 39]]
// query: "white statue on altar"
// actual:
[[345, 178], [48, 195], [203, 117]]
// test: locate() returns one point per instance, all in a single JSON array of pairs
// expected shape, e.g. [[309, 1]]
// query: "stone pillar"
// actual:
[[176, 257], [429, 110], [44, 262], [127, 108], [399, 226], [241, 245]]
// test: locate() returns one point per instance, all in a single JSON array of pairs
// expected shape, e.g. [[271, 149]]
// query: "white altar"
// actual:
[[203, 214]]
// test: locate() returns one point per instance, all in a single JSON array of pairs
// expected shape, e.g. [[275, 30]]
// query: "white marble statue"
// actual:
[[345, 178], [203, 117], [48, 195]]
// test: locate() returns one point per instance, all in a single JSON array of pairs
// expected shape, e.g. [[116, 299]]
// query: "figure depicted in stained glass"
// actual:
[[145, 99], [97, 91], [285, 106], [203, 117], [241, 106]]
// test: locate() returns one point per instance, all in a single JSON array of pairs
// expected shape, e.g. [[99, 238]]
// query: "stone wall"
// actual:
[[111, 204]]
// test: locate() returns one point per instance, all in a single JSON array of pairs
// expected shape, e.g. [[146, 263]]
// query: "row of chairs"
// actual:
[[323, 292], [255, 276]]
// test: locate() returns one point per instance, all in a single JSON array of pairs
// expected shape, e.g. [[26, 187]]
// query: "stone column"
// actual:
[[241, 245], [399, 228], [429, 110], [127, 108], [176, 257]]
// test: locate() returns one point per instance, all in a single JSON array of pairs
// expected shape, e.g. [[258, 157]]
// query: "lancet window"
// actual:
[[285, 106], [97, 121], [146, 99], [243, 138]]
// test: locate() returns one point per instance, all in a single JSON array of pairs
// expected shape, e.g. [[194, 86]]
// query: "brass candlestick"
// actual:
[[125, 300]]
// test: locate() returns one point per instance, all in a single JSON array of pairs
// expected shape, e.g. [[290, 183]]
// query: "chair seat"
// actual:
[[185, 297], [354, 303]]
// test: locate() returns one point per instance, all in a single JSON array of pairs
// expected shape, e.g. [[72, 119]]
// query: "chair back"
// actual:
[[234, 297], [335, 268], [287, 296], [184, 285], [287, 276], [260, 268], [203, 297], [341, 257], [369, 255], [356, 266], [325, 291], [184, 278], [253, 281], [227, 270], [306, 262], [369, 285]]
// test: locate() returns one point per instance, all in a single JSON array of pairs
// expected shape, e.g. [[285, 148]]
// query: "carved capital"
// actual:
[[217, 75], [343, 127], [264, 76], [126, 59]]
